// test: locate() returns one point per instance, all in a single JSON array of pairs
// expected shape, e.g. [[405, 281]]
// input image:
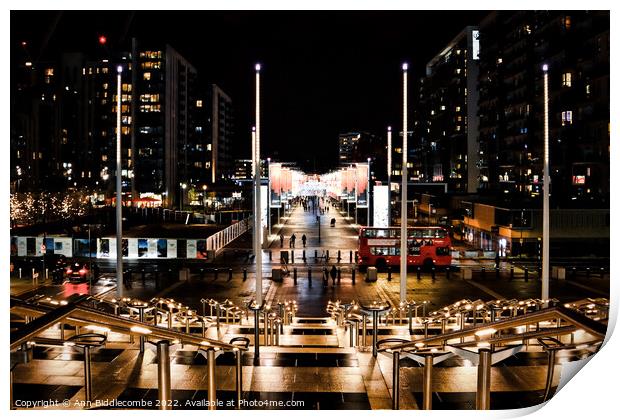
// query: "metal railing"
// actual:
[[42, 317], [487, 335]]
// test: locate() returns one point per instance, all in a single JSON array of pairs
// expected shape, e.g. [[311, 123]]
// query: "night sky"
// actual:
[[323, 72]]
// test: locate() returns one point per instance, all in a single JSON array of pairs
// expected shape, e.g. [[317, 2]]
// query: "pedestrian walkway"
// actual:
[[342, 236]]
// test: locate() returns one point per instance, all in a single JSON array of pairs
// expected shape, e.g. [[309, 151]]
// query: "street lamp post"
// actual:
[[257, 210], [269, 194], [403, 204], [389, 174], [368, 196], [545, 245], [204, 201], [119, 195], [183, 187]]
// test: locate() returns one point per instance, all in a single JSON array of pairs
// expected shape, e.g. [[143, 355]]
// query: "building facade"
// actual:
[[513, 48], [446, 119], [175, 129]]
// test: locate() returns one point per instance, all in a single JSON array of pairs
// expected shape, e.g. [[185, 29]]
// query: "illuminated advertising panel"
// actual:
[[191, 248], [172, 248], [351, 172], [264, 210], [361, 185], [381, 204], [275, 180]]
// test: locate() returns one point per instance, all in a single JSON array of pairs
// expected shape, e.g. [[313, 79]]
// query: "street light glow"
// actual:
[[119, 69], [405, 66], [257, 67], [545, 67]]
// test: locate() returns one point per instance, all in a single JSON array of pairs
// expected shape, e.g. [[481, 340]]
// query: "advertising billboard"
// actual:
[[275, 181], [361, 185], [380, 212], [351, 173]]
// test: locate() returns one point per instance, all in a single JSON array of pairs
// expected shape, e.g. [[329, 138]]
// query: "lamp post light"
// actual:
[[269, 194], [257, 204], [204, 200], [403, 204], [119, 194], [368, 196], [389, 173], [183, 187], [545, 245]]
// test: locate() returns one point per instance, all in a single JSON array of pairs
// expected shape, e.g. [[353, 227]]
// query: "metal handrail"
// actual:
[[78, 314], [575, 318]]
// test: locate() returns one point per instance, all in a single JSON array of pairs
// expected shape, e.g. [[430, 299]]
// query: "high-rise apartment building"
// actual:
[[513, 48], [446, 121], [174, 128]]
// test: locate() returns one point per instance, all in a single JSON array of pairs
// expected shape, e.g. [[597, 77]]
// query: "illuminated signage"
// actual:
[[381, 206], [475, 47]]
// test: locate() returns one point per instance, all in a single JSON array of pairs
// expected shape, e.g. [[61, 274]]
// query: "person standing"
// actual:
[[293, 237], [303, 239], [333, 272]]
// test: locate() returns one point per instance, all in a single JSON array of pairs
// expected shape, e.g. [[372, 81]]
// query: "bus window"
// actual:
[[382, 233], [442, 251]]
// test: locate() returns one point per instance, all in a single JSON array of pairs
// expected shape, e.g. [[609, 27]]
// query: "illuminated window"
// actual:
[[567, 79], [125, 130], [567, 117], [104, 70], [104, 158], [150, 108], [49, 72], [146, 75], [199, 103], [458, 109], [149, 97], [588, 90], [567, 22], [126, 87], [499, 61]]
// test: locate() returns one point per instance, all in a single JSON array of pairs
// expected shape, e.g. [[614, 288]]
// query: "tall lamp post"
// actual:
[[368, 196], [119, 195], [389, 173], [204, 200], [403, 204], [257, 210], [269, 194], [545, 245], [183, 187]]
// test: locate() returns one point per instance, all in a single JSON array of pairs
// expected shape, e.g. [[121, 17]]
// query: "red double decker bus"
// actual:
[[427, 247]]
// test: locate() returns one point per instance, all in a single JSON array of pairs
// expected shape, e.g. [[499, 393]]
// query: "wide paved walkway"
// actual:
[[342, 236]]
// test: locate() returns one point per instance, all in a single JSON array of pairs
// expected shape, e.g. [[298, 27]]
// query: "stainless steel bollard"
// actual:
[[88, 388], [364, 321], [427, 383], [211, 378], [239, 375], [550, 372], [483, 391], [142, 337], [395, 380], [163, 374]]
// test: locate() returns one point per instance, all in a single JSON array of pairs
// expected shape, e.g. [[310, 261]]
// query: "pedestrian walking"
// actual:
[[303, 239], [333, 272], [293, 237]]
